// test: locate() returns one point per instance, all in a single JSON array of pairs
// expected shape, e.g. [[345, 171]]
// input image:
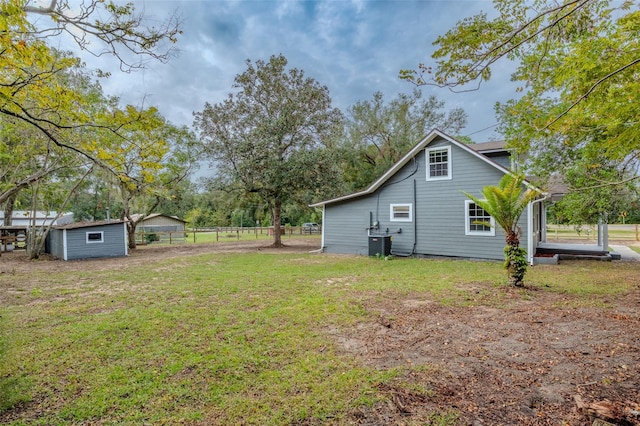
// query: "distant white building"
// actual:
[[23, 218]]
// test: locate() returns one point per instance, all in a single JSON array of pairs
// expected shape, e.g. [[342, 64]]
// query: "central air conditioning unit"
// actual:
[[379, 245]]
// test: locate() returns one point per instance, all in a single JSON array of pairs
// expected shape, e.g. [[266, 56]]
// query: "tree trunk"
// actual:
[[512, 239], [131, 234], [277, 213], [516, 260], [8, 209]]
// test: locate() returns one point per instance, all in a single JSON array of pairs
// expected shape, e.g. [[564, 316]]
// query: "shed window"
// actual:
[[95, 237], [478, 221], [401, 212], [438, 163]]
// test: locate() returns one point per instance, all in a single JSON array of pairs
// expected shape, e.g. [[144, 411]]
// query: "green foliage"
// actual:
[[516, 264], [272, 137], [149, 238], [597, 204], [379, 133], [577, 63], [506, 203], [55, 119], [381, 257]]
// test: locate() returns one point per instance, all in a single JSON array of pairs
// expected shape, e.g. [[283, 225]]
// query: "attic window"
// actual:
[[95, 237], [478, 221], [401, 212], [438, 163]]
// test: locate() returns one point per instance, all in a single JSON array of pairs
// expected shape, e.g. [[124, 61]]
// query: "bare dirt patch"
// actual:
[[519, 365]]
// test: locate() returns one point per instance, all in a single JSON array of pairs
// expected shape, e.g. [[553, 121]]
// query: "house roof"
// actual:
[[489, 147], [433, 135], [76, 225]]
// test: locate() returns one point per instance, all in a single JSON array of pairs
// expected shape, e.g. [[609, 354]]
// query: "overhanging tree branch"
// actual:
[[591, 89]]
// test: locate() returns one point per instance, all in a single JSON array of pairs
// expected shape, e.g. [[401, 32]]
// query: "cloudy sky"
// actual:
[[354, 47]]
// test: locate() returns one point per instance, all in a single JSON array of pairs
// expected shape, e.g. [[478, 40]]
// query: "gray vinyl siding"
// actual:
[[113, 245], [438, 211], [344, 227], [55, 243], [114, 242], [504, 160]]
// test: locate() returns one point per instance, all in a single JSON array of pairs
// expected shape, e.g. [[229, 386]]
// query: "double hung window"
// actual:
[[438, 163], [478, 221]]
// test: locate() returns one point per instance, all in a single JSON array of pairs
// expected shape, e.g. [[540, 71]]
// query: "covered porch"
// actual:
[[543, 251], [575, 250]]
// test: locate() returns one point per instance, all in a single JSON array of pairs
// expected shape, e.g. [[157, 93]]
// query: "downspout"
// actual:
[[415, 219], [530, 245], [324, 207]]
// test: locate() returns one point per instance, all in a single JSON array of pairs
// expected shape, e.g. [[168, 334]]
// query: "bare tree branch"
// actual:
[[125, 34]]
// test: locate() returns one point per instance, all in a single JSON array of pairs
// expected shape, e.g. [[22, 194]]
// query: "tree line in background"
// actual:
[[276, 144]]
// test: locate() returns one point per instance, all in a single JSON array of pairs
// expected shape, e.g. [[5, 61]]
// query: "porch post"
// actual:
[[600, 232], [530, 249], [543, 222], [324, 214]]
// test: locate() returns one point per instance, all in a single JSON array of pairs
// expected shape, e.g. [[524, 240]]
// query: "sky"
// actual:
[[354, 47]]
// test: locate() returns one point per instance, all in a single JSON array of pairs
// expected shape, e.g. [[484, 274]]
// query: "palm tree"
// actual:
[[505, 203]]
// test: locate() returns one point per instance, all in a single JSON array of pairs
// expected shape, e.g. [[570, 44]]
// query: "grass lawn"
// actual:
[[225, 338]]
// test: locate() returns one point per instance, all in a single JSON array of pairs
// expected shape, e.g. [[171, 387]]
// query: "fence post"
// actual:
[[216, 234], [238, 235]]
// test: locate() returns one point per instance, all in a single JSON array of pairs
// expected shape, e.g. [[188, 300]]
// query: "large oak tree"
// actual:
[[270, 138]]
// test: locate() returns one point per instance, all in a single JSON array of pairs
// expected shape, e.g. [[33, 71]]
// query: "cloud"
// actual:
[[355, 48]]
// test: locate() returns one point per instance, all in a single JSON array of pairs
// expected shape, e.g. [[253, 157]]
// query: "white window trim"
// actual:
[[392, 218], [95, 241], [468, 231], [449, 163]]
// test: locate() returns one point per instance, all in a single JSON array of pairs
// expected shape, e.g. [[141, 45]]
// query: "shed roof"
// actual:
[[88, 224]]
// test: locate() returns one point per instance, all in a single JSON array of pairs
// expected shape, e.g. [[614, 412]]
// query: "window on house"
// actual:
[[438, 163], [401, 212], [478, 221], [95, 237]]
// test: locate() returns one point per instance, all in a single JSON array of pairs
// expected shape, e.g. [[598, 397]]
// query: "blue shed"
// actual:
[[86, 240]]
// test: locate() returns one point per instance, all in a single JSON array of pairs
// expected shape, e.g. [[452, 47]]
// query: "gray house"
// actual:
[[84, 240], [417, 207]]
